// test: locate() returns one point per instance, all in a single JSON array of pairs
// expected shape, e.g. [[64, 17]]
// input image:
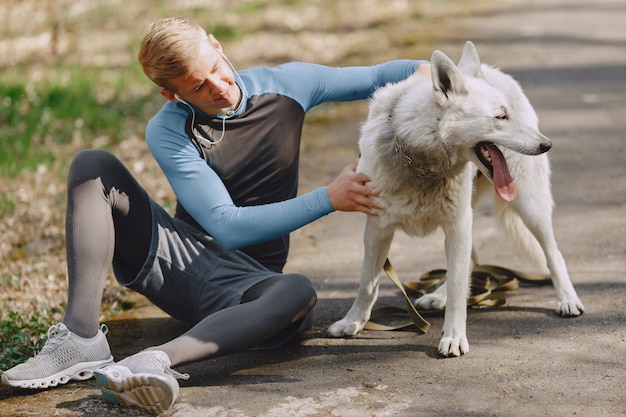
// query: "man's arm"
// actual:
[[312, 84], [205, 197]]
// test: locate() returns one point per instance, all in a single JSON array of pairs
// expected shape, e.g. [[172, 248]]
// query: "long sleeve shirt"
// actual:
[[242, 190]]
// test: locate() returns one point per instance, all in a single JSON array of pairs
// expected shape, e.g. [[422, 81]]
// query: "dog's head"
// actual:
[[481, 110]]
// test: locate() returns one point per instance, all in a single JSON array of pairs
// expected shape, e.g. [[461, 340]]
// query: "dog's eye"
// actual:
[[504, 115]]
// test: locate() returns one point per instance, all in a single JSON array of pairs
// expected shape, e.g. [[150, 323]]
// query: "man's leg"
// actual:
[[276, 306], [273, 310], [107, 213]]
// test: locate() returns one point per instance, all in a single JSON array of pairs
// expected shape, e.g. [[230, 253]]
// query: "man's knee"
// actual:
[[91, 163], [301, 286]]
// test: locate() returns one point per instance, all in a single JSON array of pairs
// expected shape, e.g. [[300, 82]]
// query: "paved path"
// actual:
[[570, 57]]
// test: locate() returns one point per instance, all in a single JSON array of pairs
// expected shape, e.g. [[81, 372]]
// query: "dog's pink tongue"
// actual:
[[502, 180]]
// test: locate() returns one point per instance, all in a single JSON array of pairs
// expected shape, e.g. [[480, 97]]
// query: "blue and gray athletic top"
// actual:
[[242, 190]]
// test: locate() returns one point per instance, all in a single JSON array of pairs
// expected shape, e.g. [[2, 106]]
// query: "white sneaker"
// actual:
[[143, 380], [64, 356]]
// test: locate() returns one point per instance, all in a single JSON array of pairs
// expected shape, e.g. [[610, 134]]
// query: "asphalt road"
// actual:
[[570, 57]]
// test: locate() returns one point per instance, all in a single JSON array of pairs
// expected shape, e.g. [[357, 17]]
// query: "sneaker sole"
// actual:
[[79, 372], [148, 392]]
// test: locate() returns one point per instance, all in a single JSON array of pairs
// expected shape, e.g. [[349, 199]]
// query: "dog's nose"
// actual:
[[545, 147]]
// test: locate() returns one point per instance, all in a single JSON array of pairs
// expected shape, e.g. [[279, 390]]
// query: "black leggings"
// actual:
[[109, 215]]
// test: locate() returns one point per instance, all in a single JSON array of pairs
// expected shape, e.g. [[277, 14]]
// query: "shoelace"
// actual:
[[175, 374], [166, 369], [57, 334]]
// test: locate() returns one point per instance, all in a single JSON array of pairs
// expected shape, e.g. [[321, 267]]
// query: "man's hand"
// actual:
[[348, 191], [422, 71]]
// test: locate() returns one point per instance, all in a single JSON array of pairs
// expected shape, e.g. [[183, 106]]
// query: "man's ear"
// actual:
[[214, 42], [170, 95]]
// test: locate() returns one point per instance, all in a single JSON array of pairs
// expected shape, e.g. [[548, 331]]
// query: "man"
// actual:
[[228, 143]]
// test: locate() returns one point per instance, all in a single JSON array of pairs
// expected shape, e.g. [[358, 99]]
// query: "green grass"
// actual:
[[21, 336], [76, 106], [7, 205]]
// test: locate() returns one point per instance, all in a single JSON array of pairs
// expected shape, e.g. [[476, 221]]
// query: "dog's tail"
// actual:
[[524, 240]]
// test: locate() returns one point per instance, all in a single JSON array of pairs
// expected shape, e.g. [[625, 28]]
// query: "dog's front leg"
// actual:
[[458, 253], [376, 242]]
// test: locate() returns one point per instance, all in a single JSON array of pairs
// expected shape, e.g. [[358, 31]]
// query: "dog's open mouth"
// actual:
[[491, 157]]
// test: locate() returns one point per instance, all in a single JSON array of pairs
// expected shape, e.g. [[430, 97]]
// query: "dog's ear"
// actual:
[[447, 79], [469, 63]]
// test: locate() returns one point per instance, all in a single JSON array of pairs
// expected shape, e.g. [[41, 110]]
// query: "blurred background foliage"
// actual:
[[69, 74], [69, 78]]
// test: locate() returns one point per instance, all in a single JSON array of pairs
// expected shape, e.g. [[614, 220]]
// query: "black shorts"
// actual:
[[187, 273]]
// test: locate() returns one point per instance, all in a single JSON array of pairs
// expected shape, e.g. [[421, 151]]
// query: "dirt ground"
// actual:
[[570, 57]]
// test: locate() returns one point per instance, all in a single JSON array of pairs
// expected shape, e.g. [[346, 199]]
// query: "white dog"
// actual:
[[416, 146]]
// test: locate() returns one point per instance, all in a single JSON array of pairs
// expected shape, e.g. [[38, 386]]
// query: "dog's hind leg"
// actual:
[[540, 224], [481, 186], [536, 212], [377, 242]]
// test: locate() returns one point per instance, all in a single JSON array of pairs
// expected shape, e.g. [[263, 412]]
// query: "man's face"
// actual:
[[211, 84]]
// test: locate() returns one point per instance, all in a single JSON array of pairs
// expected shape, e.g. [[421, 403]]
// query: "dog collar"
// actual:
[[408, 162], [405, 158]]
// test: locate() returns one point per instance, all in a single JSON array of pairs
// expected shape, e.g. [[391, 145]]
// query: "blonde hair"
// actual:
[[170, 49]]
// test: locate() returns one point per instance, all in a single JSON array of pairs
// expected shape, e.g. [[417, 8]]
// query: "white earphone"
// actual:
[[206, 141], [242, 86]]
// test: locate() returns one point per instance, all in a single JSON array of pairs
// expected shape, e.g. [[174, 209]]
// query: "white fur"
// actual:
[[439, 123]]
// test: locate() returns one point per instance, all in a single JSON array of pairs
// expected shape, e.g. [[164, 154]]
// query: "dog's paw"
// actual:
[[453, 345], [344, 328], [571, 307], [432, 301]]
